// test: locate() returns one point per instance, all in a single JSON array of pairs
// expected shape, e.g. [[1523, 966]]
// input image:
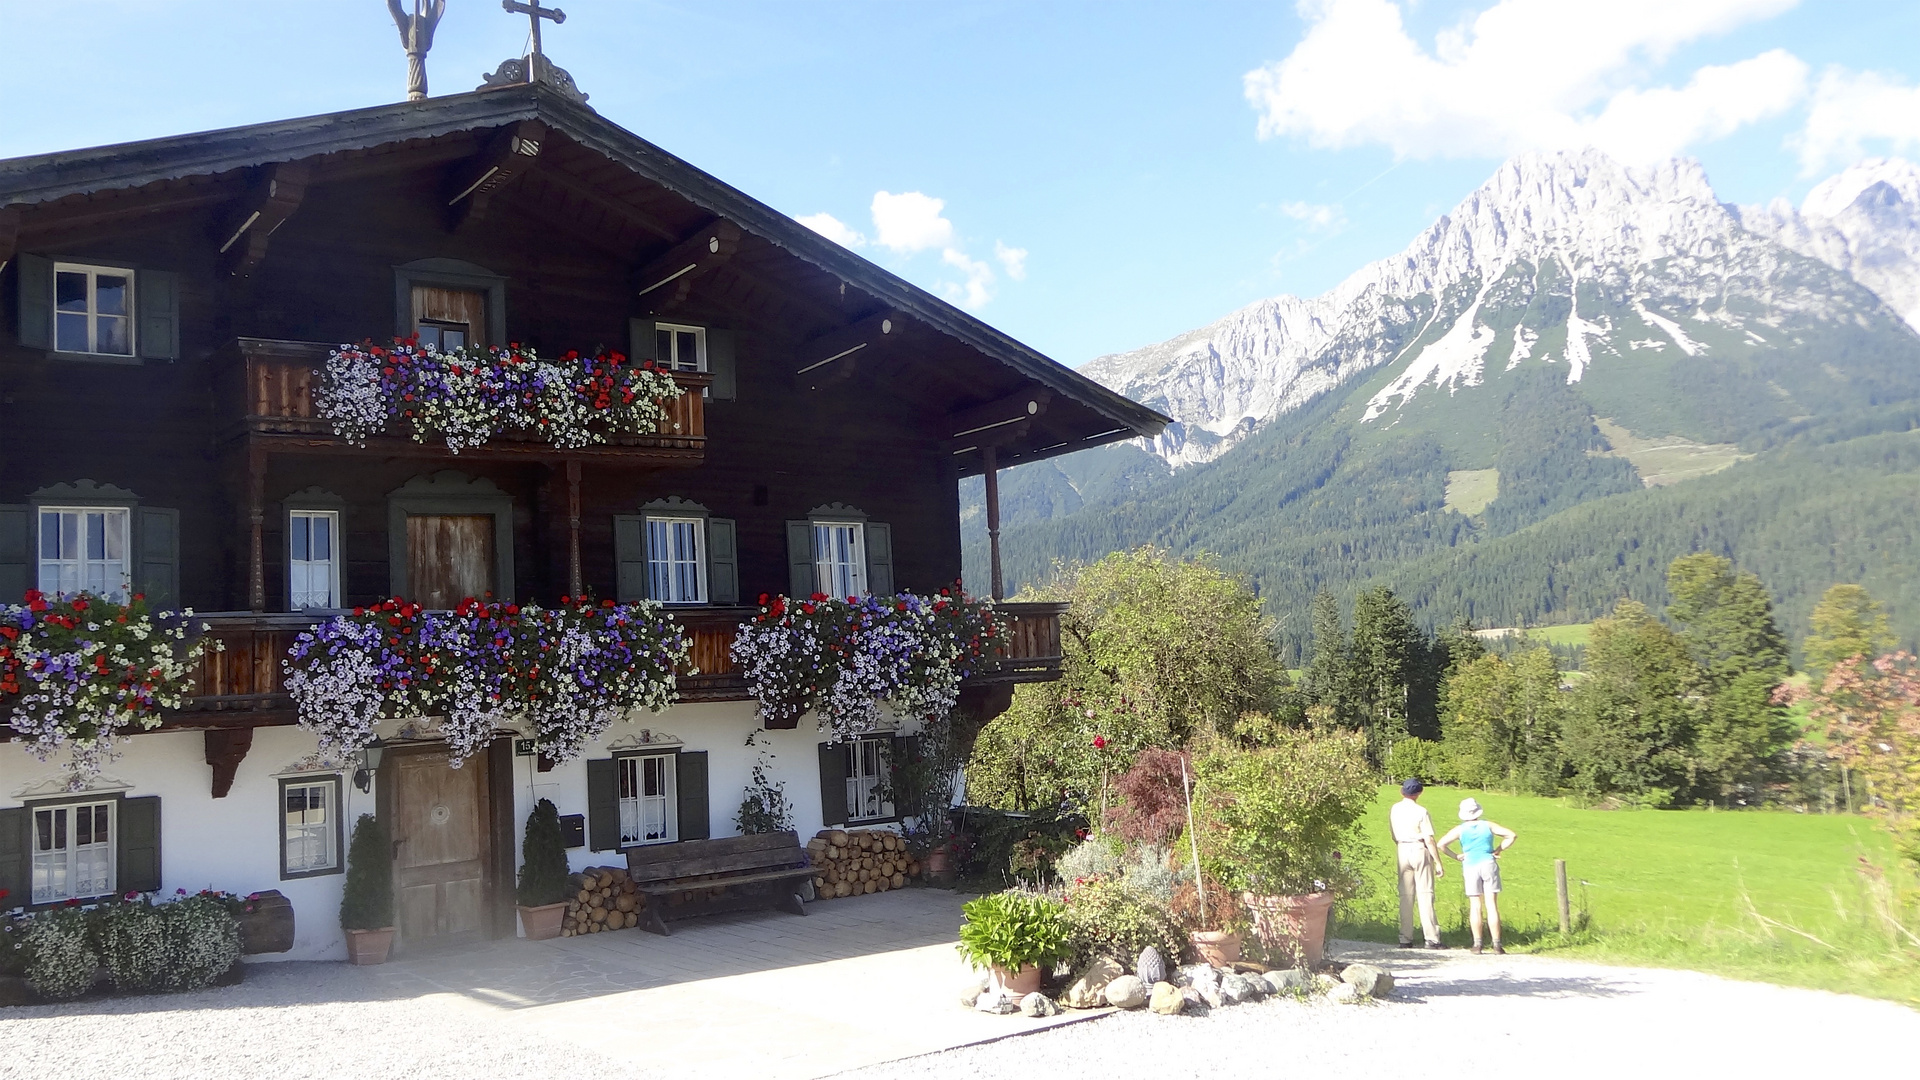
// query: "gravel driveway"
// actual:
[[1452, 1015]]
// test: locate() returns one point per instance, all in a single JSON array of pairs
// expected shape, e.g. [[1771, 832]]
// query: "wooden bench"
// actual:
[[762, 870]]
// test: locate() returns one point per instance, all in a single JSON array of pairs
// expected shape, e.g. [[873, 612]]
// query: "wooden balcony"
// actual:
[[244, 685], [267, 387]]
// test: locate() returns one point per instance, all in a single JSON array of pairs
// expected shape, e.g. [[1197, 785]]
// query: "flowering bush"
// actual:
[[569, 671], [842, 658], [77, 670], [61, 961], [1111, 917], [471, 394]]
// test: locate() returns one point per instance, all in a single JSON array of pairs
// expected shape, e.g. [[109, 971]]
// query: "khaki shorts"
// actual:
[[1481, 878]]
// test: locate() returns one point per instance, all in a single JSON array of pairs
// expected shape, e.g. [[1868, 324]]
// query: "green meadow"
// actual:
[[1790, 898]]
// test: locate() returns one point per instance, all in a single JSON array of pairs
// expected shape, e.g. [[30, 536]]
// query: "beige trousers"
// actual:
[[1416, 886]]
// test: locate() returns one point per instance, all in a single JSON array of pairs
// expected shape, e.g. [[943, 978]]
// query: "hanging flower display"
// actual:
[[843, 658], [471, 394], [568, 672], [77, 670]]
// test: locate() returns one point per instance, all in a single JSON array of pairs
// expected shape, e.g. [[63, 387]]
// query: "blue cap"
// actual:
[[1412, 786]]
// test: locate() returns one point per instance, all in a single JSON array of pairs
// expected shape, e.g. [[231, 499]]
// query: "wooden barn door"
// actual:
[[443, 877], [449, 558]]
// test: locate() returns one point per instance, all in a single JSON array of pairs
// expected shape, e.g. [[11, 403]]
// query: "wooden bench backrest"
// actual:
[[728, 854]]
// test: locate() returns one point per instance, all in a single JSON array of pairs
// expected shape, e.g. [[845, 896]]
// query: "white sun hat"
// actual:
[[1470, 809]]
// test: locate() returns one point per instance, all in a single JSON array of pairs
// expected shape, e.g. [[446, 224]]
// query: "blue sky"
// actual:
[[1107, 174]]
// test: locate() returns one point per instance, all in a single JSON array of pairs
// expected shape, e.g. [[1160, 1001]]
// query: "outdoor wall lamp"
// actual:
[[369, 764]]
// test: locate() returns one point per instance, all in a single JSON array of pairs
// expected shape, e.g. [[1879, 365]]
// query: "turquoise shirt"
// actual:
[[1476, 842]]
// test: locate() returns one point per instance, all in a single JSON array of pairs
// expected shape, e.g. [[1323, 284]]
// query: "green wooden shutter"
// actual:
[[34, 279], [157, 573], [723, 562], [800, 577], [833, 784], [18, 568], [603, 806], [900, 754], [139, 848], [641, 340], [157, 302], [720, 363], [879, 559], [15, 882], [690, 779], [630, 557]]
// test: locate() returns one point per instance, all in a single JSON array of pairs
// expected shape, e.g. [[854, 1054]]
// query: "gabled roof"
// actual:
[[44, 178]]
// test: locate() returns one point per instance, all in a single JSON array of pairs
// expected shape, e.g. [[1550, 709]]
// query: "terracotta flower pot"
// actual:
[[939, 865], [1291, 927], [1216, 947], [369, 946], [1023, 982], [543, 922]]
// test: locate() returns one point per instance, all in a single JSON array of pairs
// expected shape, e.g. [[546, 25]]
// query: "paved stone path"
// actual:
[[869, 986]]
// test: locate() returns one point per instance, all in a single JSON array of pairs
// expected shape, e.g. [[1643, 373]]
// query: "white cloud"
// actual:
[[1320, 217], [1851, 108], [834, 229], [910, 222], [1012, 259], [979, 286], [1520, 75]]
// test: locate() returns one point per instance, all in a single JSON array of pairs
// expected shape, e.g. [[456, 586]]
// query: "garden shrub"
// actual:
[[132, 939], [1222, 909], [1014, 928], [1152, 801], [203, 941], [1097, 856], [61, 961], [1421, 758], [368, 900], [543, 858], [1012, 849], [1284, 820], [1110, 917]]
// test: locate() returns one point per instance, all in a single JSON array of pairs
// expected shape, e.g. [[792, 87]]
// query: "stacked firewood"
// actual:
[[855, 863], [604, 898]]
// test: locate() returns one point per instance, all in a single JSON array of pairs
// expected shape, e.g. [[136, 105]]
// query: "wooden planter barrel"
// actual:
[[269, 926]]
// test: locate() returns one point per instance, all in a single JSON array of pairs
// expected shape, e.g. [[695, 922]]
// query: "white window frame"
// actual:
[[629, 777], [81, 564], [328, 829], [93, 308], [68, 862], [867, 763], [295, 597], [827, 568], [664, 569], [673, 360]]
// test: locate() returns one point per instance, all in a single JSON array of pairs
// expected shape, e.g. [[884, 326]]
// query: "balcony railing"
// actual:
[[244, 685], [267, 387]]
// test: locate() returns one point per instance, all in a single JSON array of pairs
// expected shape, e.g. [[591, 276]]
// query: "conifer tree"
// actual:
[[1386, 645], [1731, 634]]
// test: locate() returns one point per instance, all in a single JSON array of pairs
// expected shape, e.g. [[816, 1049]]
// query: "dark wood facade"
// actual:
[[847, 386]]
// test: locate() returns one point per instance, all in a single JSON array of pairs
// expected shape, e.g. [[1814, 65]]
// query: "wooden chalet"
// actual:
[[168, 302]]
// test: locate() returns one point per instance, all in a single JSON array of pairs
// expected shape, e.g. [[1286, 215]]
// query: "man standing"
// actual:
[[1419, 860]]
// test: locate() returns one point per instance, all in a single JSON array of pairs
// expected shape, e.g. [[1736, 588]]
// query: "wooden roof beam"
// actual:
[[833, 356], [982, 420], [472, 184], [270, 200], [665, 280], [578, 189], [9, 235]]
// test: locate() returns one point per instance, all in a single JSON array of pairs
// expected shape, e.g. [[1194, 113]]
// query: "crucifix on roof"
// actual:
[[534, 67]]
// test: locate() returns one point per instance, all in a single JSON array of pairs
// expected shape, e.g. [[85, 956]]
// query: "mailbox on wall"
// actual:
[[574, 828]]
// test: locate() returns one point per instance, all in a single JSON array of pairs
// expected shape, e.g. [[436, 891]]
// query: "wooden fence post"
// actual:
[[1560, 886]]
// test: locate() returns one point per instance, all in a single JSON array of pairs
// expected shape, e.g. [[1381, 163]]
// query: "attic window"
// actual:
[[93, 309], [447, 319], [680, 348]]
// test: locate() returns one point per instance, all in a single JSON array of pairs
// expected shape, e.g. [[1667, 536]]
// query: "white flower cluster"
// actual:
[[338, 685]]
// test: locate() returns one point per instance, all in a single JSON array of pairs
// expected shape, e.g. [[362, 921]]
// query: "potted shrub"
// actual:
[[1016, 936], [1216, 927], [366, 911], [543, 873], [1271, 824]]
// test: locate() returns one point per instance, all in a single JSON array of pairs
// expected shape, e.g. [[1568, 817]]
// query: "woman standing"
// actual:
[[1480, 865]]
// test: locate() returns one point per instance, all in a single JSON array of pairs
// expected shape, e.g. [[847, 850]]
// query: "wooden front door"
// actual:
[[449, 558], [443, 878]]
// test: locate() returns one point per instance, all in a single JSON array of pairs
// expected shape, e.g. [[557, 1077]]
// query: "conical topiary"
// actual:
[[368, 903], [543, 858], [1151, 967]]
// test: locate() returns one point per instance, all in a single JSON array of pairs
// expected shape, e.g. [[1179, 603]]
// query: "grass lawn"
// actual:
[[1743, 894]]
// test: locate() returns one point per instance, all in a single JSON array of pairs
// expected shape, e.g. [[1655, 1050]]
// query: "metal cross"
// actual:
[[534, 13]]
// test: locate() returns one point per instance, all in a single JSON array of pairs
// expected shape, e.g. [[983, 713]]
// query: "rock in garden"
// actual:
[[1151, 967], [1235, 989], [998, 1002], [1371, 981], [1287, 980], [971, 994], [1345, 994], [1198, 1005], [1126, 992], [1167, 1000], [1207, 994], [1038, 1004], [1197, 976], [1089, 989]]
